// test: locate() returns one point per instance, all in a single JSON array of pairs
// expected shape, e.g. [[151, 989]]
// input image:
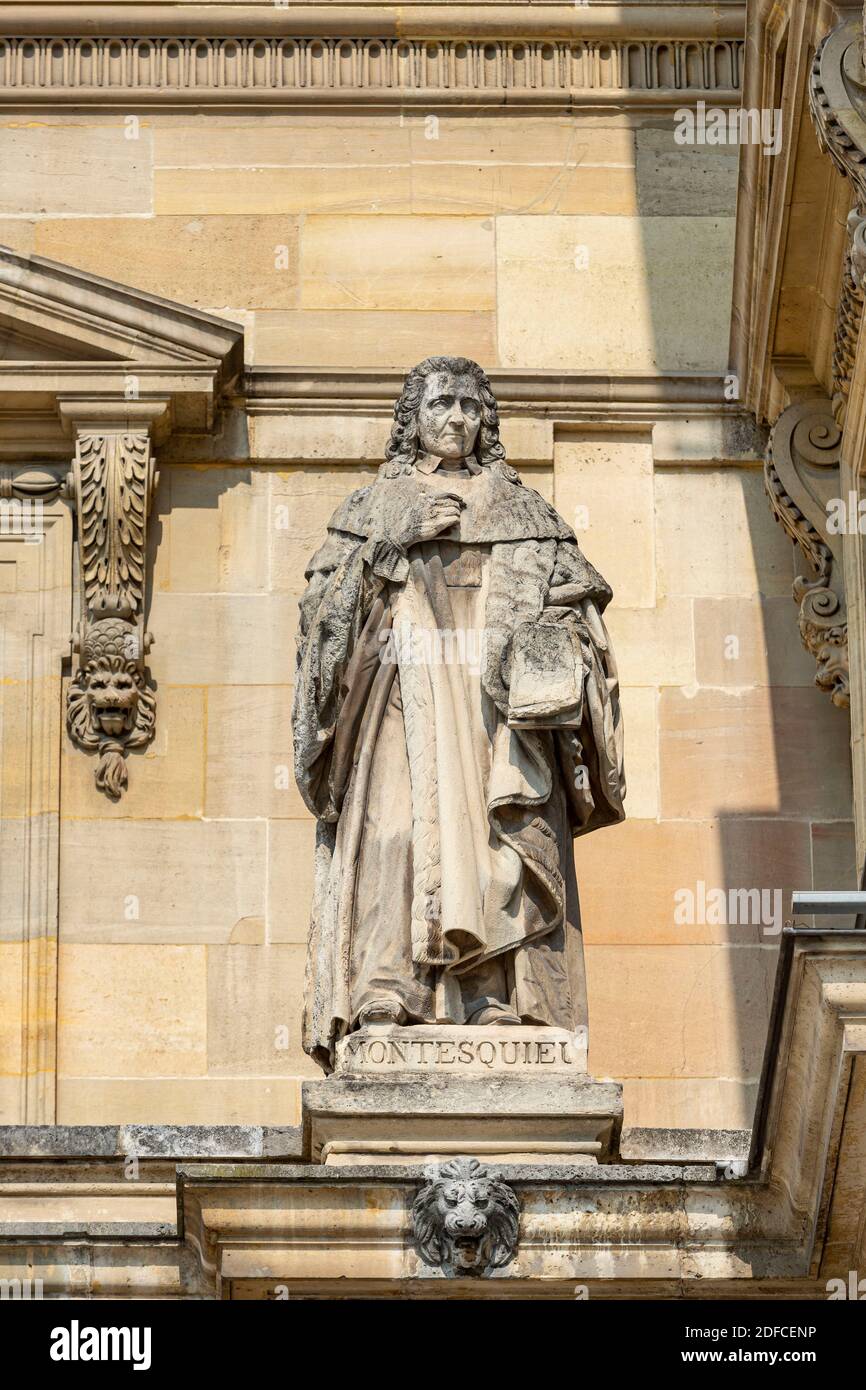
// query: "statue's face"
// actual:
[[449, 416]]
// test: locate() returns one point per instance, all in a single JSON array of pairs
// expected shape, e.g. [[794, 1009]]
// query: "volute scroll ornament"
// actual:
[[111, 704], [801, 476]]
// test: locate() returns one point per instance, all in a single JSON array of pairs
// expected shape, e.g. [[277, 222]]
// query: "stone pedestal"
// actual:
[[408, 1095]]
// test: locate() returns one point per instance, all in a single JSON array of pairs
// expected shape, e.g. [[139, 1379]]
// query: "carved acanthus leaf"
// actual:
[[115, 479]]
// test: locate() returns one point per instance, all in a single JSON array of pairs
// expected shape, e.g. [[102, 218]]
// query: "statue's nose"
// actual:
[[470, 1224]]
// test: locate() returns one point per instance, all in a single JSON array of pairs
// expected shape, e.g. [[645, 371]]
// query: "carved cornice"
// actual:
[[849, 316], [345, 70], [837, 103], [406, 19], [801, 476]]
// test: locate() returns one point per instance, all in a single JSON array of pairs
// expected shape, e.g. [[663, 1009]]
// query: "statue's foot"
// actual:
[[492, 1014], [381, 1011]]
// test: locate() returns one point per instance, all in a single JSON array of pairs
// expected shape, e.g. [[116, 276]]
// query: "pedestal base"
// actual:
[[409, 1095]]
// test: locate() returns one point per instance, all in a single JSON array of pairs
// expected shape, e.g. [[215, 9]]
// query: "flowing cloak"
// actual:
[[445, 816]]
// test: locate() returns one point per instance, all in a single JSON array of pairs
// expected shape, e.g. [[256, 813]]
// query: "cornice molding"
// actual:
[[549, 19], [341, 70]]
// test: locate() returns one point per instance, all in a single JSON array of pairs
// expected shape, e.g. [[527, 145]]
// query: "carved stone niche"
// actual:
[[111, 703], [802, 476]]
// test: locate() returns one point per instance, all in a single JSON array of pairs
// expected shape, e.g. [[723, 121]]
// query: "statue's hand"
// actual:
[[427, 517]]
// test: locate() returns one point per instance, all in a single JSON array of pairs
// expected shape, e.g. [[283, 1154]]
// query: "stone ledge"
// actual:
[[684, 1145], [414, 1117], [565, 1174], [89, 1230], [150, 1141]]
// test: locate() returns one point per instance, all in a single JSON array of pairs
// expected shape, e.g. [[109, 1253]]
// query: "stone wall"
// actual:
[[591, 243]]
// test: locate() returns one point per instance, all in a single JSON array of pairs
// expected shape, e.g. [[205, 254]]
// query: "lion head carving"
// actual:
[[465, 1219], [110, 706]]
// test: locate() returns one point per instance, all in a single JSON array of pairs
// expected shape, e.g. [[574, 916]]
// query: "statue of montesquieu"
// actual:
[[456, 724]]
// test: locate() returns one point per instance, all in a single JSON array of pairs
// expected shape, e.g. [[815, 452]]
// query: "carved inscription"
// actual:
[[366, 1052]]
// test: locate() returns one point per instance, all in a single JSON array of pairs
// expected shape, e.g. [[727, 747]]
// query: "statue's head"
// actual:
[[465, 1219], [446, 408]]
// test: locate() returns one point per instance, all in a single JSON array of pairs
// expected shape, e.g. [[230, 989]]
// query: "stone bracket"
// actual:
[[801, 476], [111, 703]]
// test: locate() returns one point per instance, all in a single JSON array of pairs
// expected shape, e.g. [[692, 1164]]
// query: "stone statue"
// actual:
[[456, 724]]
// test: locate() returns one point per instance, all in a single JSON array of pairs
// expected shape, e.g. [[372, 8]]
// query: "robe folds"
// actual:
[[456, 725]]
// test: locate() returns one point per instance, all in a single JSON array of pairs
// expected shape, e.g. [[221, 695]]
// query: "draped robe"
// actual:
[[445, 877]]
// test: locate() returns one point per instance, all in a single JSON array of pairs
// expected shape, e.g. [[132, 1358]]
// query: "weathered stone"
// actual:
[[511, 1117]]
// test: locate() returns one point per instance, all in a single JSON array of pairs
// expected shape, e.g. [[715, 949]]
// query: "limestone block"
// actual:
[[181, 1100], [793, 320], [58, 169], [492, 189], [397, 340], [632, 294], [303, 500], [758, 751], [212, 639], [285, 142], [166, 778], [716, 536], [254, 1004], [701, 439], [640, 718], [710, 1102], [214, 530], [653, 646], [743, 642], [158, 881], [672, 868], [679, 1011], [683, 180], [11, 997], [249, 751], [132, 1010], [21, 703], [547, 140], [834, 860], [364, 189], [398, 263], [604, 489], [19, 234], [206, 261], [291, 845], [313, 438]]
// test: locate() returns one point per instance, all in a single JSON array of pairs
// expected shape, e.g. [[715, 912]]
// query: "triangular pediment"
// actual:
[[60, 313], [67, 335]]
